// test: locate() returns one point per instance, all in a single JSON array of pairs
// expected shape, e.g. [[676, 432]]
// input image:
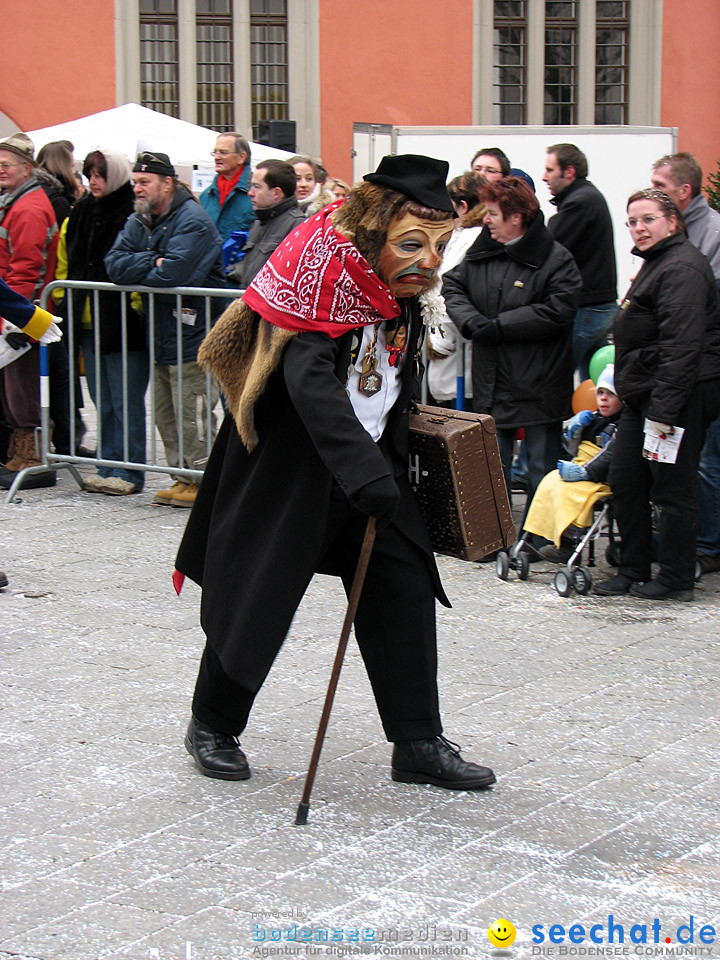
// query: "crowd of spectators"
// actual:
[[528, 304]]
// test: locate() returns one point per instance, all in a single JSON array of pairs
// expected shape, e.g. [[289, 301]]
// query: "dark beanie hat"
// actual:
[[522, 175], [159, 163], [420, 178]]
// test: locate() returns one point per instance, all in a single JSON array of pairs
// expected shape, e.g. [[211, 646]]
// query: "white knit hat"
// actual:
[[606, 380]]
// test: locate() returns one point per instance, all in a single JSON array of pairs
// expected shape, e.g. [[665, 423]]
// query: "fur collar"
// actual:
[[242, 350]]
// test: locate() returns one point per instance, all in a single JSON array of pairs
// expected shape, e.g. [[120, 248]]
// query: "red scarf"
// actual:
[[318, 280], [225, 186]]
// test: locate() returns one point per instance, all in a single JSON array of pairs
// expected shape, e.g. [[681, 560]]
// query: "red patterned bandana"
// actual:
[[318, 280]]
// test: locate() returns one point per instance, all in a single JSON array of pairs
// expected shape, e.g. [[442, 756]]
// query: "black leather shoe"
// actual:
[[3, 581], [31, 481], [437, 761], [555, 554], [216, 754], [533, 554], [652, 590], [614, 587], [708, 563]]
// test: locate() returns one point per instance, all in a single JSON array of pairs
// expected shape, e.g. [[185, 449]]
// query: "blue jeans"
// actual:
[[708, 492], [110, 417], [590, 330]]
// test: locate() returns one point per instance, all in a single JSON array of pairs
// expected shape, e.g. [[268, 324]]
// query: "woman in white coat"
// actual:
[[444, 336]]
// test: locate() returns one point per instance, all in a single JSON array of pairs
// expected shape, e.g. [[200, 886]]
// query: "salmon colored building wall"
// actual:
[[390, 62], [691, 77], [58, 61]]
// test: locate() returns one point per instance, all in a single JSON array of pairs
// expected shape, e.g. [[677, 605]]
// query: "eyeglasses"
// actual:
[[8, 166], [222, 153], [647, 220]]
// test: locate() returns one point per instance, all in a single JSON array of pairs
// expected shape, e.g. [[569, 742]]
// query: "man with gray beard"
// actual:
[[170, 241]]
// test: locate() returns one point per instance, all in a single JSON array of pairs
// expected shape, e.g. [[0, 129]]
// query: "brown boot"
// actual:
[[26, 455], [26, 451], [10, 463], [164, 498], [186, 497]]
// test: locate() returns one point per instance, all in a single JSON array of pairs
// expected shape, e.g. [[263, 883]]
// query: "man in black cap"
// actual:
[[318, 363], [170, 241]]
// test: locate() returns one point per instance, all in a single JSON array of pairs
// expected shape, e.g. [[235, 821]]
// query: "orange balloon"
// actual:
[[584, 397]]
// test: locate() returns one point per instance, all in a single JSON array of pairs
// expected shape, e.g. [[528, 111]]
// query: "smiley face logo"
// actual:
[[502, 933]]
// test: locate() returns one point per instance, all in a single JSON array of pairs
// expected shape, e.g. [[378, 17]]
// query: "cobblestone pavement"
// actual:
[[600, 717]]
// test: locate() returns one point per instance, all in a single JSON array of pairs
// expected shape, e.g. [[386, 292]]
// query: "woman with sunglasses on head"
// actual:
[[667, 372]]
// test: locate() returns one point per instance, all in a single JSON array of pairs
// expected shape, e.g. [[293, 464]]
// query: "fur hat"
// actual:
[[159, 163], [420, 178], [21, 145]]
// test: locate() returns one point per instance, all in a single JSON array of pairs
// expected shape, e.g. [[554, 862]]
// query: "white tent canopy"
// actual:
[[131, 129]]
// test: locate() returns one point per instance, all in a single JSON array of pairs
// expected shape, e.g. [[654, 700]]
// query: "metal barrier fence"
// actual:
[[53, 460]]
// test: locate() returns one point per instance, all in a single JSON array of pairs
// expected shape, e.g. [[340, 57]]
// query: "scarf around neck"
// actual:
[[317, 280]]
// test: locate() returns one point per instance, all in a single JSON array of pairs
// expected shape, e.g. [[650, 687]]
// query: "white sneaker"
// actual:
[[93, 484], [117, 487]]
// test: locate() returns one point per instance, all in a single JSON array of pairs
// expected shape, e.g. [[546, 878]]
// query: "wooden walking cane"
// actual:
[[356, 589]]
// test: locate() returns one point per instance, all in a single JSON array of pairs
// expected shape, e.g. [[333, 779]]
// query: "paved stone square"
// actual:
[[599, 716]]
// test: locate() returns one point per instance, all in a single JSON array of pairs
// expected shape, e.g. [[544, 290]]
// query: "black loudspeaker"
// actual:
[[277, 133]]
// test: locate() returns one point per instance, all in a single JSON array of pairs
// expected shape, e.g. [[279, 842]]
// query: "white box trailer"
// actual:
[[620, 160]]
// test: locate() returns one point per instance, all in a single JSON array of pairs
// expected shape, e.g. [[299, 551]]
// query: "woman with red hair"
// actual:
[[515, 296]]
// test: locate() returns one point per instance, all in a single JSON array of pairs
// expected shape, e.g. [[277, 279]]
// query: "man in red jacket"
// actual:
[[28, 251]]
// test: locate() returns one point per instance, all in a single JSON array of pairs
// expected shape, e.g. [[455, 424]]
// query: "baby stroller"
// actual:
[[573, 576]]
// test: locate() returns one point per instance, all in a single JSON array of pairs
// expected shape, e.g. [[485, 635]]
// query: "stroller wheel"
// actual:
[[523, 566], [563, 584], [612, 555], [502, 565], [582, 580]]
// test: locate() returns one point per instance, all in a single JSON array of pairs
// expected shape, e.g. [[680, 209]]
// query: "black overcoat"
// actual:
[[256, 534], [91, 231], [530, 289], [667, 330]]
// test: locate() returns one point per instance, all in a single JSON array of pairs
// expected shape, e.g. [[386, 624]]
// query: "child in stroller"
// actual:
[[563, 503]]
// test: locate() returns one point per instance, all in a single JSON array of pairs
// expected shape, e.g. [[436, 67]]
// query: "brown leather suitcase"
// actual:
[[456, 473]]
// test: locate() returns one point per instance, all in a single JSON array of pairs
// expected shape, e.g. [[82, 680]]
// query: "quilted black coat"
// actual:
[[667, 329], [517, 303]]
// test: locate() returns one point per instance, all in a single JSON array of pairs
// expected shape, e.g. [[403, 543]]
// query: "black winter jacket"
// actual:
[[583, 225], [517, 302], [271, 227], [91, 231], [60, 201], [667, 330]]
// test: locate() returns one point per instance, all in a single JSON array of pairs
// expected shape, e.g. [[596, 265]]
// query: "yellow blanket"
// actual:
[[557, 504]]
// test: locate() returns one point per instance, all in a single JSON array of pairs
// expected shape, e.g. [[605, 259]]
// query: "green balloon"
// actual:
[[600, 359]]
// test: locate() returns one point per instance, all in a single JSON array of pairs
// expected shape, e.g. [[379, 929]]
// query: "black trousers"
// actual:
[[394, 628], [671, 487]]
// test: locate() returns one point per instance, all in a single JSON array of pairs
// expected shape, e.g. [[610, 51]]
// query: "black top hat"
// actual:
[[420, 178]]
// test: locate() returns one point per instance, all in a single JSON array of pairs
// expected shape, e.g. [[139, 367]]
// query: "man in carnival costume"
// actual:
[[318, 363]]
